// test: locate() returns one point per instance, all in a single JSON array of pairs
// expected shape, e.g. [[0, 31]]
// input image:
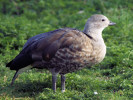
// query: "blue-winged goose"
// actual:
[[63, 50]]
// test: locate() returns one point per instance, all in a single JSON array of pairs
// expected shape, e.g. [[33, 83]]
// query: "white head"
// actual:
[[96, 23]]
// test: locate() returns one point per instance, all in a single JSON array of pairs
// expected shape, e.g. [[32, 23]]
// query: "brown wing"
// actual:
[[47, 47], [33, 50]]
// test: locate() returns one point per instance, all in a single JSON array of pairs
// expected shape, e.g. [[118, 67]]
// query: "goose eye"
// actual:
[[103, 20]]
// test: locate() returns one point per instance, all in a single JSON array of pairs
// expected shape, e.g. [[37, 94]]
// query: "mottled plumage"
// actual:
[[64, 50]]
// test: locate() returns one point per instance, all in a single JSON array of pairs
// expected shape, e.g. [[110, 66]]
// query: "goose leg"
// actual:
[[54, 79], [19, 72], [14, 77], [63, 83]]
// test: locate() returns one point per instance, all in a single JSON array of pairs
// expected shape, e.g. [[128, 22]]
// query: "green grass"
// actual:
[[112, 79]]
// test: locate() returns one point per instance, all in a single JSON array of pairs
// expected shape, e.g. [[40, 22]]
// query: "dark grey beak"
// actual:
[[111, 23]]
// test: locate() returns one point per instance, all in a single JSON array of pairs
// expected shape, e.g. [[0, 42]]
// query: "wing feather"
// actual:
[[45, 46]]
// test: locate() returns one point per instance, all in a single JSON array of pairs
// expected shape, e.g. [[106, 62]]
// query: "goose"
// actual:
[[63, 50]]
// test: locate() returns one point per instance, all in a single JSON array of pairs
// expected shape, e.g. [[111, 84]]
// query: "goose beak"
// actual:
[[111, 23]]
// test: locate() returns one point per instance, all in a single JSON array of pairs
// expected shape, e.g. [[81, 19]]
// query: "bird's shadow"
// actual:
[[28, 89]]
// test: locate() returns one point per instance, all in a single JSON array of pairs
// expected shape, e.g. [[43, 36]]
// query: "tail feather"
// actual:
[[20, 61], [9, 64]]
